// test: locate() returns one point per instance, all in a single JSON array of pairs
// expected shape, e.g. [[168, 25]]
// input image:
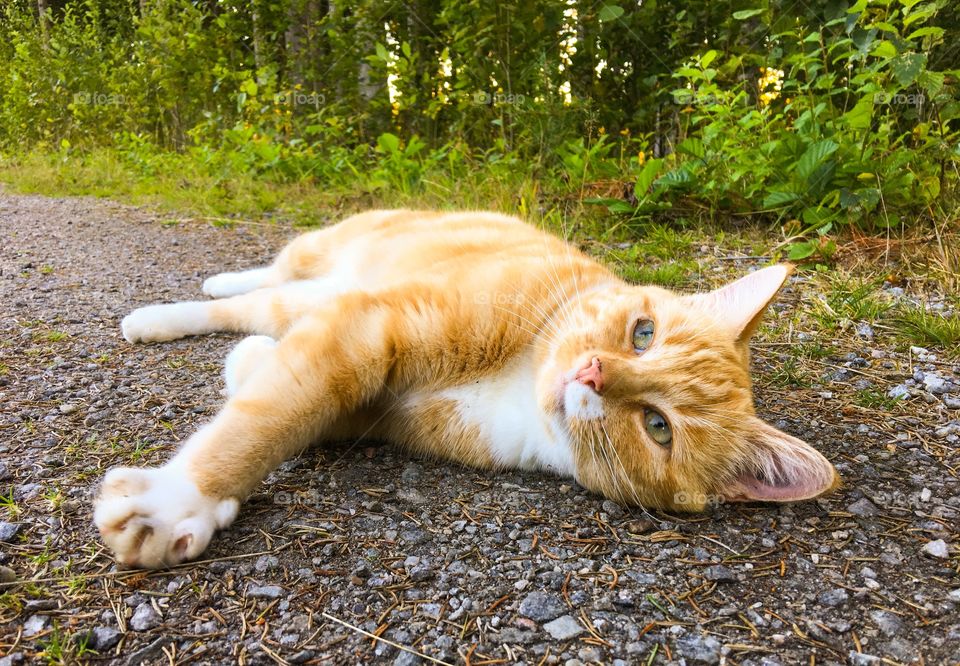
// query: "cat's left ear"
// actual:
[[741, 304], [779, 468]]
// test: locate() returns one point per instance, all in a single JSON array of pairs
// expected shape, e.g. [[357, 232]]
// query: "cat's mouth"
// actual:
[[576, 401]]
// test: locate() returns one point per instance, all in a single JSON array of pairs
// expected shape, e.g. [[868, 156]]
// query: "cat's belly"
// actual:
[[492, 421]]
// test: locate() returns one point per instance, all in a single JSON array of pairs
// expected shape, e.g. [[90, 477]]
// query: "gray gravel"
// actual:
[[452, 563]]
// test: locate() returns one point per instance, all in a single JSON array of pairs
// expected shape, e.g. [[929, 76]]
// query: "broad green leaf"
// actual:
[[925, 32], [908, 66], [744, 14], [610, 13], [859, 116], [388, 143], [920, 15], [884, 49], [858, 7], [692, 146], [932, 82], [930, 188], [814, 156], [649, 173], [779, 199], [711, 55], [802, 250]]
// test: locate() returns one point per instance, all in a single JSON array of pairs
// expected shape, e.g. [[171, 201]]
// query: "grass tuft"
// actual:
[[924, 328]]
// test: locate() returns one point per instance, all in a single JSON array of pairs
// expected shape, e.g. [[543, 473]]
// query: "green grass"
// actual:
[[924, 328], [849, 300], [184, 186], [873, 399], [8, 504], [789, 374]]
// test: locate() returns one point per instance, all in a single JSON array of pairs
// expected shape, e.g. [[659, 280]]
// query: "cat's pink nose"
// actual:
[[591, 375]]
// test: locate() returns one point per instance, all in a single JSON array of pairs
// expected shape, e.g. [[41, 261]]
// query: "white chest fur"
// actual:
[[503, 407]]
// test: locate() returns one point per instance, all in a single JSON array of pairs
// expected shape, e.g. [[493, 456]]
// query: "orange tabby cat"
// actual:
[[473, 337]]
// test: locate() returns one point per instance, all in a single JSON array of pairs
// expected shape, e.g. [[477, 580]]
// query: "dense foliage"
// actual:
[[818, 112]]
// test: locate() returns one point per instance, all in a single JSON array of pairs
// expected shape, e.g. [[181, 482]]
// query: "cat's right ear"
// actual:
[[741, 304]]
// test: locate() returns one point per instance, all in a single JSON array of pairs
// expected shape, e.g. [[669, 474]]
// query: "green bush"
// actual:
[[813, 115]]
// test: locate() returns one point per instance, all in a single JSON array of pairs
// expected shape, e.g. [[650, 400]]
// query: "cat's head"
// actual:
[[654, 390]]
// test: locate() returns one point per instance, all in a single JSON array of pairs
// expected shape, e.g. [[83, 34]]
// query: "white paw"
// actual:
[[234, 284], [157, 517], [158, 323], [244, 358]]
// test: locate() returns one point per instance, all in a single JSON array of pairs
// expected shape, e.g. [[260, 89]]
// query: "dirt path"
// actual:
[[456, 564]]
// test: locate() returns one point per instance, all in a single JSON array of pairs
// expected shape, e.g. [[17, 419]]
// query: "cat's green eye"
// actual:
[[642, 335], [657, 427]]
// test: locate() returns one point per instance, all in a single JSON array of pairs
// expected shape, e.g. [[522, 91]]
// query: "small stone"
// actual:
[[863, 508], [7, 575], [68, 408], [103, 638], [407, 659], [265, 591], [35, 624], [937, 548], [899, 392], [864, 330], [612, 509], [925, 495], [564, 627], [720, 574], [834, 597], [8, 531], [951, 402], [935, 383], [589, 655], [145, 617], [861, 659], [411, 473], [954, 595], [887, 622], [640, 526], [542, 606], [421, 572], [14, 659], [266, 562], [700, 649]]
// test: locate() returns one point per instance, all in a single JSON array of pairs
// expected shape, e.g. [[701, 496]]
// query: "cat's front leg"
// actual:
[[331, 363]]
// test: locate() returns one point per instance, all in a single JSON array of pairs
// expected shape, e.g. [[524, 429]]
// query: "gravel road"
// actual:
[[443, 564]]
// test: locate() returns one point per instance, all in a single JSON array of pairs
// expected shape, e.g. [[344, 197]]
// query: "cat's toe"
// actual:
[[157, 518]]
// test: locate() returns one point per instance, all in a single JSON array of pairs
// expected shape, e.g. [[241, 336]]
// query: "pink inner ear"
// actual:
[[749, 488], [783, 469]]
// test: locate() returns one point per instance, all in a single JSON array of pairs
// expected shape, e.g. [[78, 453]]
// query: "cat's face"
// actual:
[[654, 390]]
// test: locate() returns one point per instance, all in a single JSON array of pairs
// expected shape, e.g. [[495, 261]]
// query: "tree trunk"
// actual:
[[44, 19], [259, 48]]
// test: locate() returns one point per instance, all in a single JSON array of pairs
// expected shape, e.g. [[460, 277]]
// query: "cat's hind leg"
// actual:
[[306, 257], [244, 359], [263, 312], [225, 285]]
